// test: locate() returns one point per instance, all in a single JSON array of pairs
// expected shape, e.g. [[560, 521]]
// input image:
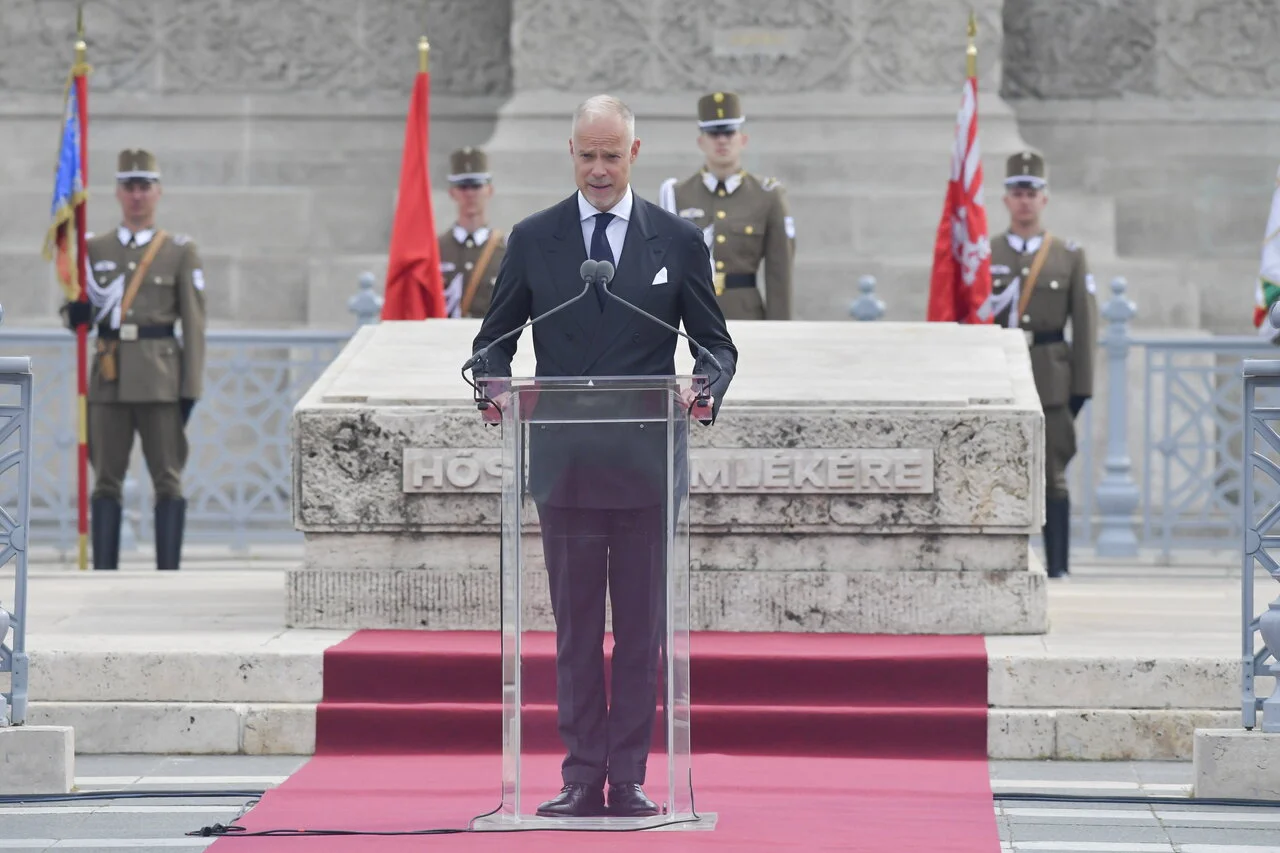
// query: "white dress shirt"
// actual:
[[615, 232]]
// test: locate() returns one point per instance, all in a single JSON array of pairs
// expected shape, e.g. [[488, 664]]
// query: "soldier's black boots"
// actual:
[[104, 527], [171, 515], [1057, 536]]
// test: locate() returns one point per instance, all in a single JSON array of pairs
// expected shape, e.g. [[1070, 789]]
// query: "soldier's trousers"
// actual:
[[741, 303], [1060, 447], [164, 446]]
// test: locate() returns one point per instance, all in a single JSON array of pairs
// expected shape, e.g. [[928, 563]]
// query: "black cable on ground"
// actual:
[[1136, 800], [89, 796]]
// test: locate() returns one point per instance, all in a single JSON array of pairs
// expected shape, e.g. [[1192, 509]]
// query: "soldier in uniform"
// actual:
[[141, 282], [470, 251], [744, 218], [1039, 282]]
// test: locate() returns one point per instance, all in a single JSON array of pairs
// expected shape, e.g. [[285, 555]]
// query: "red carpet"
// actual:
[[805, 742]]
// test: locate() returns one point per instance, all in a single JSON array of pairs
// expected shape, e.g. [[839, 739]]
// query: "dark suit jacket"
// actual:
[[595, 465]]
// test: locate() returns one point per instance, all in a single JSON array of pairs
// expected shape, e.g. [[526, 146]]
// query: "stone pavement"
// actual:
[[1137, 657], [1049, 827]]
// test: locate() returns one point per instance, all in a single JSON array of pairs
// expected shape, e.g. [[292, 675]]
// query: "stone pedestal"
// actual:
[[37, 759], [1234, 763], [394, 492]]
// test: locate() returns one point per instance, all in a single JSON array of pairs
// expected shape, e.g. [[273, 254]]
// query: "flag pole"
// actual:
[[424, 48], [79, 72]]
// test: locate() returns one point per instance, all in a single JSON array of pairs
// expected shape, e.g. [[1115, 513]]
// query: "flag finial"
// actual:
[[423, 49], [80, 45], [971, 52]]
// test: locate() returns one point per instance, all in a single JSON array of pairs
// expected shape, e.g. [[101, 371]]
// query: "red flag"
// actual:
[[414, 290], [961, 282]]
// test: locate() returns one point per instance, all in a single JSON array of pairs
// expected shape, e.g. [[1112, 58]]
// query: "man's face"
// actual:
[[1025, 204], [722, 148], [602, 153], [138, 199], [471, 199]]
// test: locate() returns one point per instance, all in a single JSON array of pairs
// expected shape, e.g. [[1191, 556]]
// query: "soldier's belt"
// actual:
[[731, 280], [134, 332], [1038, 339]]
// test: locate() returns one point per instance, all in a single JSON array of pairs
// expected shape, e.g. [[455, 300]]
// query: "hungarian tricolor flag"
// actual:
[[1269, 271], [961, 280], [414, 289]]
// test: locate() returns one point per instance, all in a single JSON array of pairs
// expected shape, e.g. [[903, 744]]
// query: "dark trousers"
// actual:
[[587, 551]]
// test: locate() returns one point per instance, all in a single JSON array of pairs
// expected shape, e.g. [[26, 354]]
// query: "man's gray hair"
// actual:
[[604, 106]]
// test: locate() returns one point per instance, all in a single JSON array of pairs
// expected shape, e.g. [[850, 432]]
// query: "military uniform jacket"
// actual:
[[1064, 291], [459, 254], [746, 221], [154, 370]]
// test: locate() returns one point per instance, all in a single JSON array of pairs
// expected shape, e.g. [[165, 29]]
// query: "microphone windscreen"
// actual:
[[605, 272], [588, 269]]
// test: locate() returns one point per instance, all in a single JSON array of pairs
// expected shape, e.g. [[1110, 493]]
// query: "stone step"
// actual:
[[294, 675], [213, 728], [947, 602]]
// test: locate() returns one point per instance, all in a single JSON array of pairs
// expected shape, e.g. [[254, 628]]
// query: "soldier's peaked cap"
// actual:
[[1026, 169], [720, 111], [468, 165], [137, 164]]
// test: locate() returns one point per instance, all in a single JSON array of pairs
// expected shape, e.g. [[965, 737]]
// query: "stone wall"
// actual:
[[346, 49], [279, 128], [1179, 50]]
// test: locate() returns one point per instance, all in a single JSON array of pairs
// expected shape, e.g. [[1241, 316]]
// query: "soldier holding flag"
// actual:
[[142, 282]]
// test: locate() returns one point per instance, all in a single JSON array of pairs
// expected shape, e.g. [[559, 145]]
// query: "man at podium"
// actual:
[[602, 523]]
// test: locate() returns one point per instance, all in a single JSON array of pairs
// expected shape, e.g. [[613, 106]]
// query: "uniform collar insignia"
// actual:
[[480, 236], [731, 183], [142, 238], [1021, 246]]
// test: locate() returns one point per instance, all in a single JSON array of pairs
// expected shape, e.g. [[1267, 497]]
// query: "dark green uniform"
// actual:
[[158, 378], [461, 252], [745, 221], [1062, 295]]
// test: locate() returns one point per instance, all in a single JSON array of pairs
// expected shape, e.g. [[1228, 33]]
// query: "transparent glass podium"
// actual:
[[594, 511]]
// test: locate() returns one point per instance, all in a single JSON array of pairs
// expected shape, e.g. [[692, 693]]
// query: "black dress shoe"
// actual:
[[627, 799], [575, 800]]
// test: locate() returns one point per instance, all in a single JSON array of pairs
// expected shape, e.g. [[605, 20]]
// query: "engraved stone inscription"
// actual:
[[805, 471], [758, 41]]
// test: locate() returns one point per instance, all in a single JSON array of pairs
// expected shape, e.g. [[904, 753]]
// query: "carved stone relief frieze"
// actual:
[[342, 48]]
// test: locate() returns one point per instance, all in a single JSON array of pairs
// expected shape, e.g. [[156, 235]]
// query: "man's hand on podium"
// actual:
[[700, 410], [492, 413]]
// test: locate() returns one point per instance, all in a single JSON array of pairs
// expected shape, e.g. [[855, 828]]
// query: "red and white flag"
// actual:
[[961, 279]]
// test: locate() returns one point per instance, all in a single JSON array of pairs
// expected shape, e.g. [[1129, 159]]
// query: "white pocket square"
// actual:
[[660, 278]]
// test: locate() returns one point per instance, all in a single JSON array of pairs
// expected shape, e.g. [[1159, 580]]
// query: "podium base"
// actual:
[[657, 823]]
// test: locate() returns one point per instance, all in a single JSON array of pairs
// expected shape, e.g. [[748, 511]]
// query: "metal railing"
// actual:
[[1183, 489], [1177, 406], [1261, 540], [16, 387]]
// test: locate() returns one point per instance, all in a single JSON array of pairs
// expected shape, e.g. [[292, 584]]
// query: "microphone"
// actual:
[[588, 272], [605, 275]]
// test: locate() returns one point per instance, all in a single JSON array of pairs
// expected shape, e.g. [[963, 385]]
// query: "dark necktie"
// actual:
[[600, 250]]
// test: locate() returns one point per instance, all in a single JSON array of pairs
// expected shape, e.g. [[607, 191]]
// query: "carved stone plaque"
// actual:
[[805, 471]]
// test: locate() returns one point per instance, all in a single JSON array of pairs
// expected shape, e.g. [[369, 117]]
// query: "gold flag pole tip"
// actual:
[[971, 52], [423, 49]]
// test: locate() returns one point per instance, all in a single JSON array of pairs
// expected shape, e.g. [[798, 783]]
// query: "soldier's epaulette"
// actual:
[[768, 184], [181, 239]]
